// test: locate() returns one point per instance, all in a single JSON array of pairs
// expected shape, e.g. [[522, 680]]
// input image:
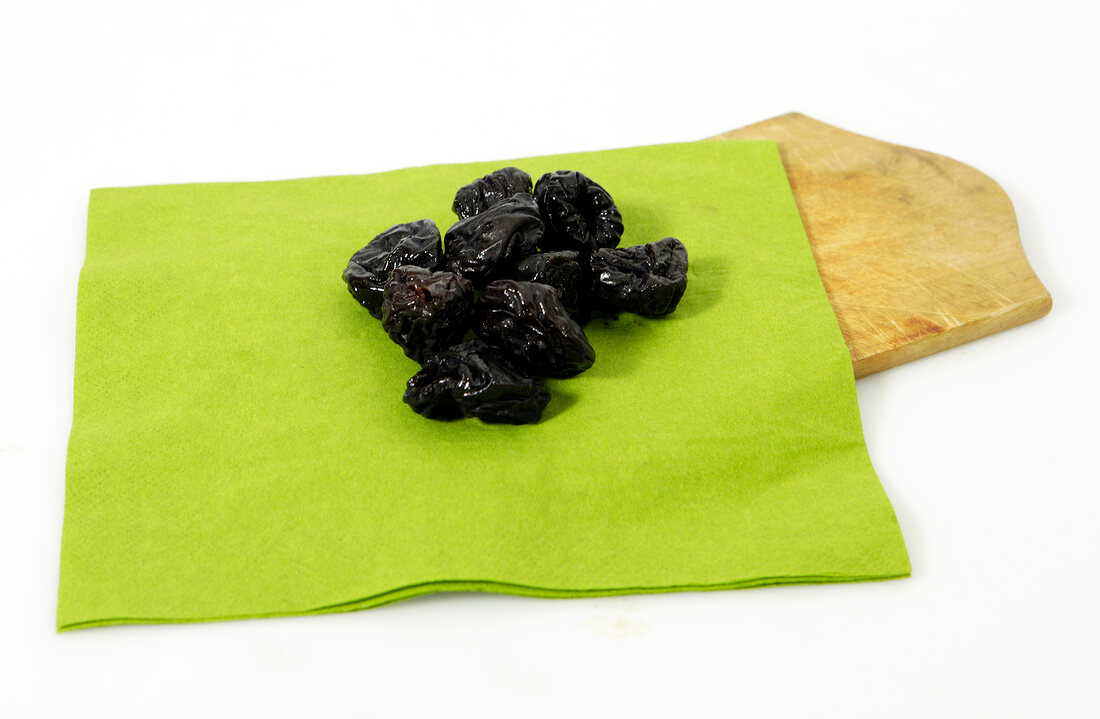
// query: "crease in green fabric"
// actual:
[[518, 590], [240, 447]]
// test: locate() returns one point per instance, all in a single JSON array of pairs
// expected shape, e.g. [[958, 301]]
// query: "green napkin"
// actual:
[[240, 447]]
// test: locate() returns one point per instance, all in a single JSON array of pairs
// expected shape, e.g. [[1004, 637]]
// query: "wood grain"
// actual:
[[918, 252]]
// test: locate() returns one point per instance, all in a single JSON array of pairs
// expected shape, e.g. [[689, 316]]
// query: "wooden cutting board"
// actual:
[[918, 252]]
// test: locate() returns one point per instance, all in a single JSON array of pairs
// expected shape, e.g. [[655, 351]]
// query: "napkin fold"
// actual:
[[240, 447]]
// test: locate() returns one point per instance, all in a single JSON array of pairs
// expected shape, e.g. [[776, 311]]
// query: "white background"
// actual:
[[988, 451]]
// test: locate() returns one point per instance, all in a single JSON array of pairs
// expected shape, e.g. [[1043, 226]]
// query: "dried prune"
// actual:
[[523, 270], [425, 312], [484, 247], [579, 214], [474, 380], [645, 279], [527, 322], [483, 193], [412, 243], [566, 272]]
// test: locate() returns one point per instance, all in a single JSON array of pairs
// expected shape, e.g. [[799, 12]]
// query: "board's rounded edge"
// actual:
[[1028, 310]]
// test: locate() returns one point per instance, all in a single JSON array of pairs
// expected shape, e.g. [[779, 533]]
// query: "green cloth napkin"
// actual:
[[240, 447]]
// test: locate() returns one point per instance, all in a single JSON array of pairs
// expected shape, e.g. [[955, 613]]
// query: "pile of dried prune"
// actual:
[[500, 302]]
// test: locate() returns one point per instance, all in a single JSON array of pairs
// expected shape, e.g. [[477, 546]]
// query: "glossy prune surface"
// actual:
[[645, 279], [523, 272], [566, 272], [474, 380], [486, 246], [527, 322], [411, 243], [578, 213], [425, 312], [483, 193]]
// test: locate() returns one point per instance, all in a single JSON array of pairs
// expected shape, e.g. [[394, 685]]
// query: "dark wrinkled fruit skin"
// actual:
[[486, 246], [412, 243], [566, 272], [483, 193], [578, 214], [644, 279], [473, 380], [425, 312], [527, 322]]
